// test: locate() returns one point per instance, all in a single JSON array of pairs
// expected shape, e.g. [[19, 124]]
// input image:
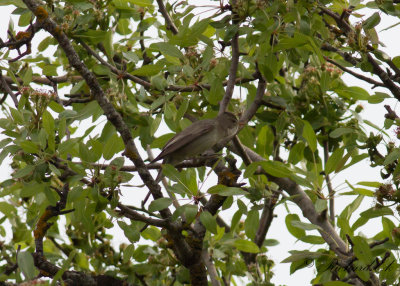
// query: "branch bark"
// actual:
[[168, 21], [232, 74]]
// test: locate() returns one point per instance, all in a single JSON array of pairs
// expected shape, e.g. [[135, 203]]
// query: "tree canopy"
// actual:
[[80, 112]]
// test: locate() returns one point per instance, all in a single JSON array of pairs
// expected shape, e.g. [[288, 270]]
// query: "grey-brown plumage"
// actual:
[[199, 137]]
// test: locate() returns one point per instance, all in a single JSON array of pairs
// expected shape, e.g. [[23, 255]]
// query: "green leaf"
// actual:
[[378, 97], [309, 135], [29, 147], [27, 78], [251, 224], [190, 212], [50, 70], [26, 264], [17, 3], [372, 21], [334, 160], [128, 253], [353, 92], [161, 141], [275, 168], [168, 49], [393, 156], [208, 221], [362, 250], [303, 225], [143, 3], [7, 209], [27, 170], [299, 255], [295, 231], [113, 146], [148, 70], [151, 233], [286, 43], [370, 184], [171, 172], [336, 283], [48, 123], [226, 191], [296, 153], [246, 246], [376, 212], [341, 131], [66, 264], [17, 115], [131, 233], [312, 239], [88, 111], [159, 204]]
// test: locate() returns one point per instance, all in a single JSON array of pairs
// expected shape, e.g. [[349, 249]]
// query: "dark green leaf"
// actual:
[[226, 191], [251, 224], [341, 131], [26, 264], [295, 231], [208, 221], [372, 21], [159, 204], [246, 246], [309, 135]]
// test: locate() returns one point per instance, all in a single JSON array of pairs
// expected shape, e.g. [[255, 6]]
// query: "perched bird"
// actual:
[[199, 137]]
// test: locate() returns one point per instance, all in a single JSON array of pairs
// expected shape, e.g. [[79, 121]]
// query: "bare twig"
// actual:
[[134, 215]]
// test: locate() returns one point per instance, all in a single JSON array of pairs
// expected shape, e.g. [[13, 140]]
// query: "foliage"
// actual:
[[135, 65]]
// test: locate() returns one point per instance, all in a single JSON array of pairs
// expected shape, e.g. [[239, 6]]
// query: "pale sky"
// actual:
[[278, 231]]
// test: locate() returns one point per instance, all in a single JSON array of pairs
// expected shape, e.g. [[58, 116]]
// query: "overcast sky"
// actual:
[[361, 172]]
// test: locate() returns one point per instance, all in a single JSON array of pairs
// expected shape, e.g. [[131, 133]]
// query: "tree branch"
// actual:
[[4, 85], [212, 271], [331, 191], [134, 215], [258, 100], [232, 74], [359, 76], [169, 24]]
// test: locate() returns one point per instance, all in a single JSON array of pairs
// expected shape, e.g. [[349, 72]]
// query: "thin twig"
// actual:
[[359, 76]]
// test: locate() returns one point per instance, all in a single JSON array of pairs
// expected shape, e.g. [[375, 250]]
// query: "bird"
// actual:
[[197, 138]]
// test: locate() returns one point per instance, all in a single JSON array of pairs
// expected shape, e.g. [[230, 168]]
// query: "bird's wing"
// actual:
[[185, 137]]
